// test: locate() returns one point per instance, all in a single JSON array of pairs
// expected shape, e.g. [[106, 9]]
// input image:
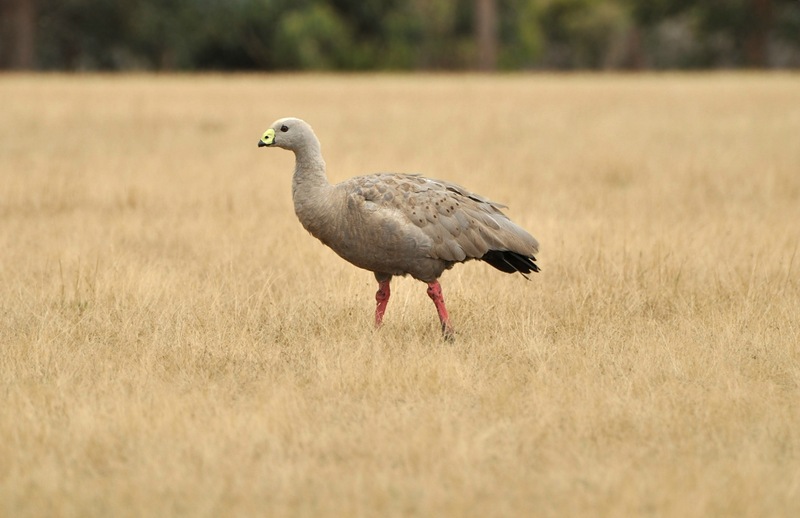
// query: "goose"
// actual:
[[396, 224]]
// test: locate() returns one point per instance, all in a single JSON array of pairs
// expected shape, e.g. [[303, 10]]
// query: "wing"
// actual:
[[459, 224]]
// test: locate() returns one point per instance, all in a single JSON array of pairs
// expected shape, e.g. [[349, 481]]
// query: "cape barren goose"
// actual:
[[399, 224]]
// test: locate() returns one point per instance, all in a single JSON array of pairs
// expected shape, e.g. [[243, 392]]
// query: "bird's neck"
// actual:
[[311, 192], [309, 171]]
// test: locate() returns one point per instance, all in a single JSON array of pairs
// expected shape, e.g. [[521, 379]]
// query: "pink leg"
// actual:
[[382, 298], [435, 293]]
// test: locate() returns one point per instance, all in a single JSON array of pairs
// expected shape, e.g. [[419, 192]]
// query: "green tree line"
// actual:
[[398, 35]]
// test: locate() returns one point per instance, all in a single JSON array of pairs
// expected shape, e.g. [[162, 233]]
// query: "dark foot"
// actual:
[[448, 333]]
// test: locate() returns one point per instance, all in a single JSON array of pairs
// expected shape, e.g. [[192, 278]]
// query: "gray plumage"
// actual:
[[398, 224]]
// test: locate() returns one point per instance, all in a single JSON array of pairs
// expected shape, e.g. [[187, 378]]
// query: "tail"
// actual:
[[510, 262]]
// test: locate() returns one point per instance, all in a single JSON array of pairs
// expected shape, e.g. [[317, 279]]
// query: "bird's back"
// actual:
[[398, 224]]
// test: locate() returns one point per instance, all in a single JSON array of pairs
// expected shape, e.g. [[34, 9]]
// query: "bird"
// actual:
[[396, 224]]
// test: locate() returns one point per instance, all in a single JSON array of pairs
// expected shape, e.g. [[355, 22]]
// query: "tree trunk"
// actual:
[[634, 57], [755, 44], [19, 38], [486, 33]]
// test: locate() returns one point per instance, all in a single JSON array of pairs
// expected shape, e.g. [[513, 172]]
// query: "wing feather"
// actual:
[[458, 224]]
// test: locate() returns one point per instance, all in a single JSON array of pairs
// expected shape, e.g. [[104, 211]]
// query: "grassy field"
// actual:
[[173, 343]]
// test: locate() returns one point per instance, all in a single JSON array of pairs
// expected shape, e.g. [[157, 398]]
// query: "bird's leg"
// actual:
[[435, 293], [382, 298]]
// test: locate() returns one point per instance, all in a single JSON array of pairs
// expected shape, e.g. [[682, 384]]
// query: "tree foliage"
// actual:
[[410, 34]]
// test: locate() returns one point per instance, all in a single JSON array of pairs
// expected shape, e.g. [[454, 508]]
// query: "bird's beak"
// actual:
[[267, 139]]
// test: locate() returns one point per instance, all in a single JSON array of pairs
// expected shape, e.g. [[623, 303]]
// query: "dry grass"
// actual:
[[174, 343]]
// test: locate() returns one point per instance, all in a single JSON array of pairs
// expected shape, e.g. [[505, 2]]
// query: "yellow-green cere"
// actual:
[[268, 137]]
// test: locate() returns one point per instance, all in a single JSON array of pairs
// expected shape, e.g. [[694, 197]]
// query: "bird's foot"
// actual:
[[435, 293], [448, 333]]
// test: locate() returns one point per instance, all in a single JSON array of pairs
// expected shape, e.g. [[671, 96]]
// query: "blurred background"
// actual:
[[398, 34]]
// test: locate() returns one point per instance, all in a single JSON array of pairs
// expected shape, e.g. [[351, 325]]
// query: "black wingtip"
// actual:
[[511, 262]]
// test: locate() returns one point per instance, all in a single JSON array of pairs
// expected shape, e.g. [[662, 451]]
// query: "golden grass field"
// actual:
[[173, 343]]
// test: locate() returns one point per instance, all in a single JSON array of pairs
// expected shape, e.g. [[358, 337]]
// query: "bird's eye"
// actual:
[[284, 128]]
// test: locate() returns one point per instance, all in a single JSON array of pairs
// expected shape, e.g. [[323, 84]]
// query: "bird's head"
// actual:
[[288, 133]]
